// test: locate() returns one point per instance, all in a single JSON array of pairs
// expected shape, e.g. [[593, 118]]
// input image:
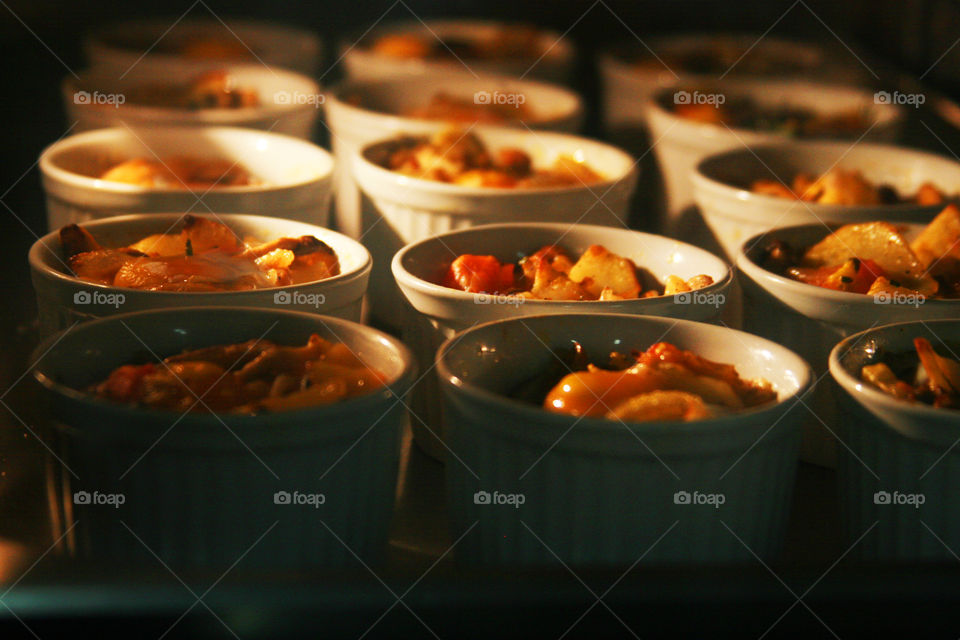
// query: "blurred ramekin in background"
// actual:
[[293, 178]]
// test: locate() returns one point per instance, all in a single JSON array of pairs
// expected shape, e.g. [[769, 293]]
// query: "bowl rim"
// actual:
[[399, 180], [334, 97], [41, 245], [91, 77], [864, 392], [749, 88], [408, 370], [702, 179], [434, 290], [542, 419], [50, 168], [754, 271]]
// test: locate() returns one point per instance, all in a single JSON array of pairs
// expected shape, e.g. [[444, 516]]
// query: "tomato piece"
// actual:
[[854, 275], [124, 382], [479, 274]]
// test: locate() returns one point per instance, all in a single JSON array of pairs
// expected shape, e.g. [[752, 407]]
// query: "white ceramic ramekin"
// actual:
[[553, 63], [398, 209], [627, 86], [592, 491], [200, 490], [435, 313], [811, 319], [295, 176], [264, 42], [289, 102], [899, 478], [680, 143], [359, 113], [63, 299], [721, 186]]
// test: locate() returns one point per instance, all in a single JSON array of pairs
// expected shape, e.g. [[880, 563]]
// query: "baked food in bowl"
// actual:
[[811, 318], [200, 487], [525, 473], [902, 484], [117, 171], [852, 184], [398, 209], [250, 95], [632, 260], [691, 123], [363, 112], [141, 262]]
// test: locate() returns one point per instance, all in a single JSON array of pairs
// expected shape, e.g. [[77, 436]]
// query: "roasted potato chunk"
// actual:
[[598, 269], [881, 242]]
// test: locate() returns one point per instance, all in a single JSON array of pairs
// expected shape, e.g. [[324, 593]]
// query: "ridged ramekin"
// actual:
[[681, 142], [603, 492], [897, 450], [627, 86], [289, 102], [811, 319], [435, 312], [721, 186], [63, 299], [359, 113], [201, 490], [398, 209], [296, 176]]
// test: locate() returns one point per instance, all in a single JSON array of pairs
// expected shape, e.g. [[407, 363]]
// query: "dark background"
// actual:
[[40, 43]]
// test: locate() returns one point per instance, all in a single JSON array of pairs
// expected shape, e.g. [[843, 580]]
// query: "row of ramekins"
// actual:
[[315, 487], [363, 111], [487, 444]]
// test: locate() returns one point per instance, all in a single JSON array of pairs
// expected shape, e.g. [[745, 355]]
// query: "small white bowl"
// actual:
[[721, 186], [376, 118], [296, 176], [289, 102], [398, 209], [200, 490], [555, 63], [628, 86], [271, 44], [904, 449], [811, 319], [681, 143], [435, 312], [63, 299], [598, 491]]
